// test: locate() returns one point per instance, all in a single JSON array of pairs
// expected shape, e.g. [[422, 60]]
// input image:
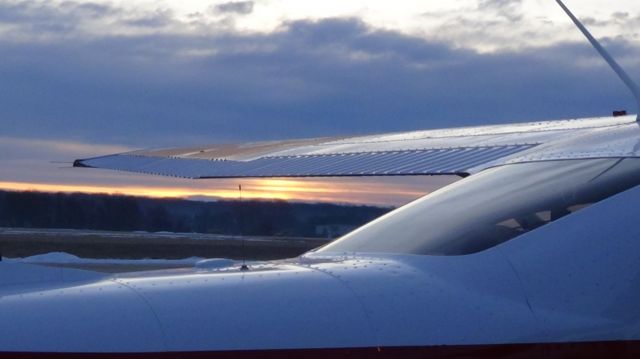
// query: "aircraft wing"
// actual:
[[458, 151]]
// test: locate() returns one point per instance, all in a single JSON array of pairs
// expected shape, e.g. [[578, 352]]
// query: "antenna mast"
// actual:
[[241, 225], [635, 90]]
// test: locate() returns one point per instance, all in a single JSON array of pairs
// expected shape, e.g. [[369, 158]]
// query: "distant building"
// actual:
[[333, 230]]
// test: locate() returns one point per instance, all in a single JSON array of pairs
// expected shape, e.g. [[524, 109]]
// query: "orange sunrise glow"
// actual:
[[327, 190], [44, 169]]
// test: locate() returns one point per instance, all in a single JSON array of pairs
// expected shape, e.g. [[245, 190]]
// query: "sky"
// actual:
[[81, 79]]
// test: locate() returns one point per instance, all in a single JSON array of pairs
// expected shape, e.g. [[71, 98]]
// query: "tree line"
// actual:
[[127, 213]]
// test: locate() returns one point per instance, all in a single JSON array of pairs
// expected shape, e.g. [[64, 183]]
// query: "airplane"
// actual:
[[534, 252]]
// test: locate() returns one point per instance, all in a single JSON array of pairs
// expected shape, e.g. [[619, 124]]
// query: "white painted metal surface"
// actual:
[[581, 273], [453, 151], [388, 163]]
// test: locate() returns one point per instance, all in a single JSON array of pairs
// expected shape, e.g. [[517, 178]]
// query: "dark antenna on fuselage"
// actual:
[[635, 90], [241, 225]]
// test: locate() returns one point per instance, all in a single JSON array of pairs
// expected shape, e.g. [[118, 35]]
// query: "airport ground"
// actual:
[[26, 242]]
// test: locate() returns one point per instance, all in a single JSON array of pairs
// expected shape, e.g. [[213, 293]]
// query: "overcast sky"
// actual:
[[87, 78]]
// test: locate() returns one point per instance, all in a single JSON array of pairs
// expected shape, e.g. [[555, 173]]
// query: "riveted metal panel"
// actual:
[[380, 163]]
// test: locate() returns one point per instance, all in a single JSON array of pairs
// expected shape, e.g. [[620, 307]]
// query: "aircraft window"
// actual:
[[492, 207]]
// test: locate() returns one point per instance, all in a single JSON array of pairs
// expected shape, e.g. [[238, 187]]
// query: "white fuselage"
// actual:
[[573, 280]]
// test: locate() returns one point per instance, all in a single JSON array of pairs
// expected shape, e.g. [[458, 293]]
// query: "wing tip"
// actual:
[[80, 163]]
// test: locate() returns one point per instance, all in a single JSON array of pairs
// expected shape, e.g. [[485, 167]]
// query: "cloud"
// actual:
[[509, 9], [49, 21], [41, 11], [616, 19], [308, 78], [40, 18], [24, 148], [156, 19], [234, 7]]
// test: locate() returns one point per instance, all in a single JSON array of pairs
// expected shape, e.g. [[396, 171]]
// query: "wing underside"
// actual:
[[459, 151], [455, 161]]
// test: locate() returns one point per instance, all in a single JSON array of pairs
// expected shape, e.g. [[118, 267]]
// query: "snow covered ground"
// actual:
[[176, 249], [128, 235], [66, 260]]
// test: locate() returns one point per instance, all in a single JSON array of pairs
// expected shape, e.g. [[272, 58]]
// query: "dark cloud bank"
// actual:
[[308, 79]]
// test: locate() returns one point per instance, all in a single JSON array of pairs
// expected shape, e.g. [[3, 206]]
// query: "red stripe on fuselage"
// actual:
[[605, 349]]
